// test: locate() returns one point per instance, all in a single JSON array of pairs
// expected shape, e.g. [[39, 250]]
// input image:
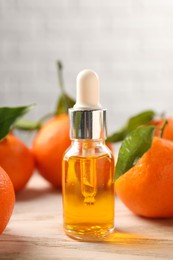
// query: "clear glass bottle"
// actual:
[[87, 180]]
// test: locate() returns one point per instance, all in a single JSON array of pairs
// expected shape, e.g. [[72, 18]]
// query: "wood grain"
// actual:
[[35, 231]]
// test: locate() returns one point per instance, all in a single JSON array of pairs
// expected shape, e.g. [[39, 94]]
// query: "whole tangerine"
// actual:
[[49, 146], [17, 160], [7, 199], [147, 188]]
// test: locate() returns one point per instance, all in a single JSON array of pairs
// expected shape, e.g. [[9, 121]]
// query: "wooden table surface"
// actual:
[[35, 231]]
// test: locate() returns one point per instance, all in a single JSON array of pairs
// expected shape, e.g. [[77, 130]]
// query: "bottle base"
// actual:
[[88, 233]]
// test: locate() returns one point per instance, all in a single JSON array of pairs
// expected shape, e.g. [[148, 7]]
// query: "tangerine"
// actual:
[[7, 199], [17, 160], [147, 188], [49, 146]]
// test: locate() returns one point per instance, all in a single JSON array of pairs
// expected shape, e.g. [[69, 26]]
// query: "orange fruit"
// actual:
[[147, 188], [49, 146], [17, 160], [168, 131], [7, 199]]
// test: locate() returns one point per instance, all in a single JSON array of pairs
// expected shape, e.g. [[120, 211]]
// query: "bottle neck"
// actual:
[[88, 124]]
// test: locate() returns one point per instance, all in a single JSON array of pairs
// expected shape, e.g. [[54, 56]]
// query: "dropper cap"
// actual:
[[87, 90], [87, 118]]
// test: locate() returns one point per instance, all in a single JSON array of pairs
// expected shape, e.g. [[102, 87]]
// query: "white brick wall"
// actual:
[[128, 42]]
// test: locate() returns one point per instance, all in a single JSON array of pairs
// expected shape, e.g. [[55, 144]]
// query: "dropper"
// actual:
[[87, 117]]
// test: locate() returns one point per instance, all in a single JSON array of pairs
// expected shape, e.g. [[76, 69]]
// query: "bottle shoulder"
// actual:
[[91, 150]]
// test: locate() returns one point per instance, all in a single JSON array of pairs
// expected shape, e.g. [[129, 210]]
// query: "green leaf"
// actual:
[[64, 103], [140, 119], [117, 136], [27, 125], [132, 148], [8, 116], [134, 122]]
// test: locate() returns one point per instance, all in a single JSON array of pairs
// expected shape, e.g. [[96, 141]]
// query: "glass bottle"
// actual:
[[88, 166]]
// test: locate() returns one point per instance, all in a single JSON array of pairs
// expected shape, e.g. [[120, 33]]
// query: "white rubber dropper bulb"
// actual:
[[87, 91]]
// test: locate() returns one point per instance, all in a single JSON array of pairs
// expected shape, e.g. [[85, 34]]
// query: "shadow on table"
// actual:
[[162, 230], [33, 193], [160, 222], [11, 246]]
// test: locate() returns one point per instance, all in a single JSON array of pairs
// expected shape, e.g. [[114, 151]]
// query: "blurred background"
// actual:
[[129, 43]]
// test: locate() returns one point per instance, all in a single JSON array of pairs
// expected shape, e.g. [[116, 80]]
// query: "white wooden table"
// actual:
[[35, 232]]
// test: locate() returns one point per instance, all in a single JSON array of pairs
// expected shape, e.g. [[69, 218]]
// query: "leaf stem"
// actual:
[[62, 88], [60, 76], [163, 128]]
